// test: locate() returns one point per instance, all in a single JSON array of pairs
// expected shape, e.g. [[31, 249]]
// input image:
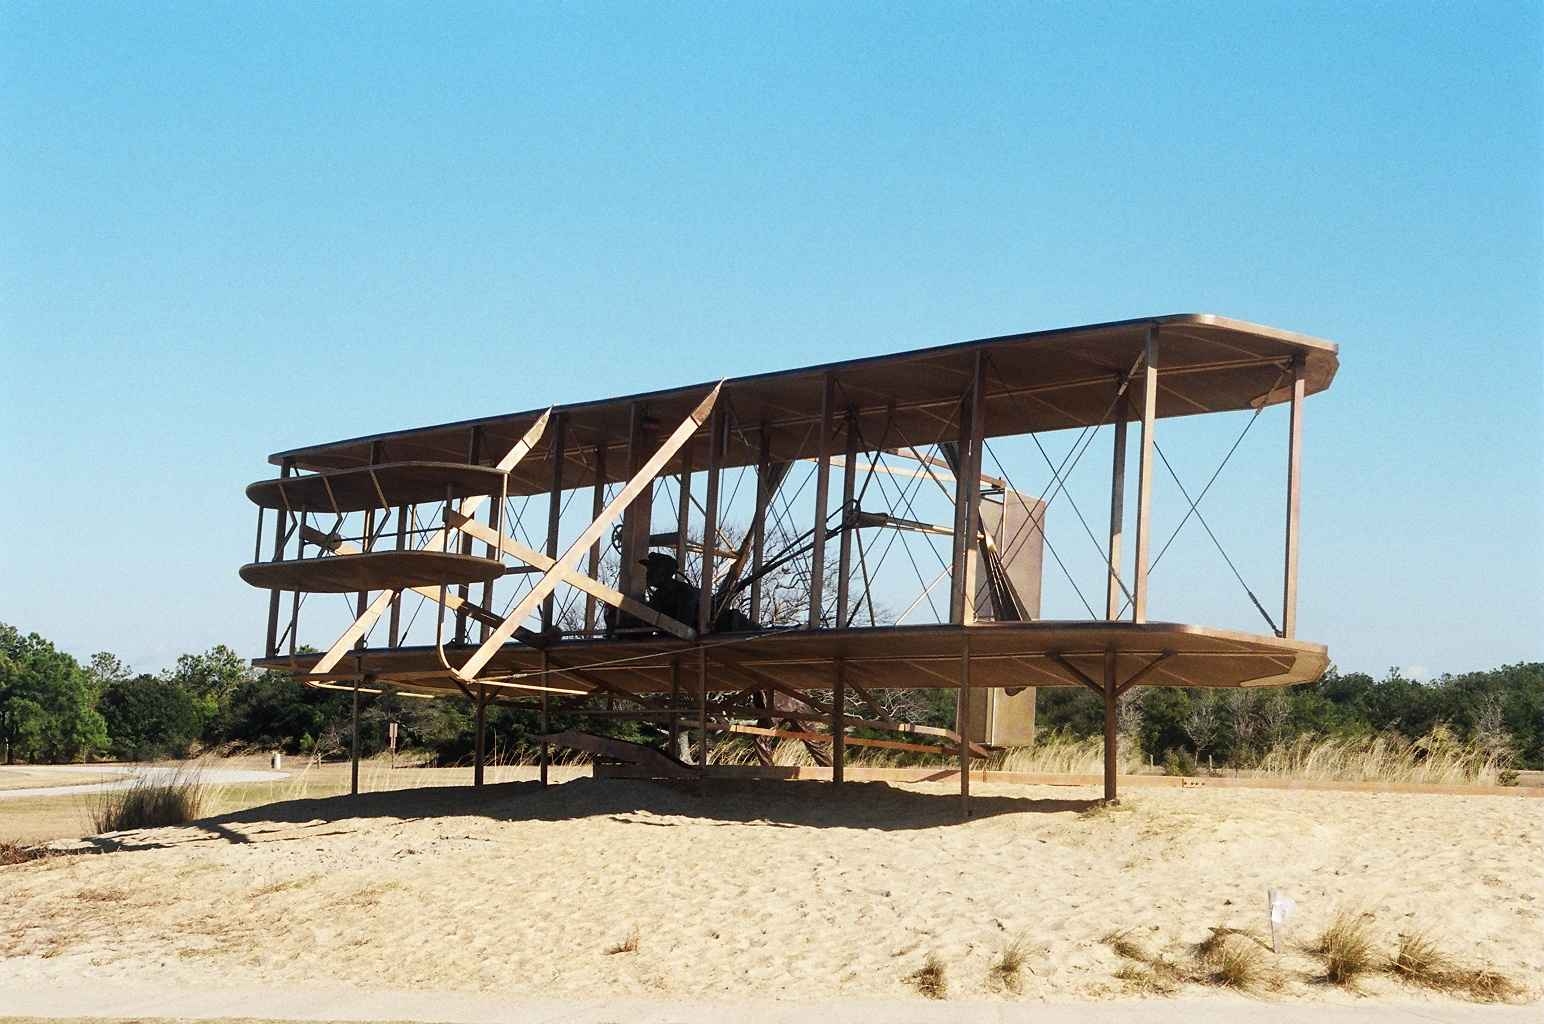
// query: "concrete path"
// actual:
[[130, 773], [345, 1004]]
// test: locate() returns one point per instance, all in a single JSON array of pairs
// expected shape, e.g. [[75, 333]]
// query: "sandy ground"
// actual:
[[336, 1006], [765, 890]]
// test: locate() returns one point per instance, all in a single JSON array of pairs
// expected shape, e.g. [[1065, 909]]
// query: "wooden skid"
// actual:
[[648, 759], [826, 737]]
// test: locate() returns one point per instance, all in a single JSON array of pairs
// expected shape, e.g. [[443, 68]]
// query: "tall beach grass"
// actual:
[[151, 800], [1439, 758]]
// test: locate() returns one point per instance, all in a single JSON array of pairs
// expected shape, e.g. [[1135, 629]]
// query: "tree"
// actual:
[[1244, 718], [270, 709], [1129, 712], [46, 701], [150, 717], [212, 678], [106, 668], [1202, 721], [21, 714], [1275, 714]]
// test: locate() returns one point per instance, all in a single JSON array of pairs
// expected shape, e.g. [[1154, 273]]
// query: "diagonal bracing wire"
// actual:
[[1039, 524], [1195, 509], [907, 493], [1202, 519], [1060, 475]]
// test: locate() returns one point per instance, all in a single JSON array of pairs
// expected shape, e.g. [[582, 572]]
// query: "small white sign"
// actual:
[[1281, 906]]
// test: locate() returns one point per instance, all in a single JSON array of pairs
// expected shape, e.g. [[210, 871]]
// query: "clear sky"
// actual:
[[227, 230]]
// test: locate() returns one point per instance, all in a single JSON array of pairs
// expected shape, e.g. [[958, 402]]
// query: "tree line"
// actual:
[[55, 709]]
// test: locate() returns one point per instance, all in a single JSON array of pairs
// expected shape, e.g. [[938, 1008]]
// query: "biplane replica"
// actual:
[[508, 559]]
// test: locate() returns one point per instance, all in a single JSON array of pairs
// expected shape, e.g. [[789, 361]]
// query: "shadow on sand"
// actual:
[[771, 804]]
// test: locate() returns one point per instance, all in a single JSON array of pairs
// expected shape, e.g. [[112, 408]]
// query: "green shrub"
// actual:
[[1179, 762]]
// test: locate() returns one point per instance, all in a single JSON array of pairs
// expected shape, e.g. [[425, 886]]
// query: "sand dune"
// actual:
[[766, 890]]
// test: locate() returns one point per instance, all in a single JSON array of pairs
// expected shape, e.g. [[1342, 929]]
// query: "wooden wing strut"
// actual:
[[569, 560]]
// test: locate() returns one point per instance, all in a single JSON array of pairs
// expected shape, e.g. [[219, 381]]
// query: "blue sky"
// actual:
[[226, 231]]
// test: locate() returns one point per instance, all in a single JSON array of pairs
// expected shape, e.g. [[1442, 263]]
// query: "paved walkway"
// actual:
[[344, 1004], [130, 773]]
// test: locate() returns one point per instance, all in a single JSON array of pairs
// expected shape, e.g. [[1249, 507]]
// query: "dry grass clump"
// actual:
[[1007, 969], [1227, 957], [1125, 946], [1146, 974], [1146, 980], [1438, 758], [1236, 960], [283, 885], [108, 895], [1106, 809], [1346, 947], [151, 801], [929, 979], [16, 853], [1420, 961], [1485, 985], [627, 945]]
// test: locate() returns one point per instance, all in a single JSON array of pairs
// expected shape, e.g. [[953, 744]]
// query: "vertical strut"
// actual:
[[394, 624], [967, 498], [822, 496], [717, 423], [597, 502], [278, 556], [849, 519], [1112, 587], [635, 519], [967, 527], [759, 524], [554, 507], [464, 591], [684, 507], [366, 542], [1294, 502], [1145, 474], [300, 552]]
